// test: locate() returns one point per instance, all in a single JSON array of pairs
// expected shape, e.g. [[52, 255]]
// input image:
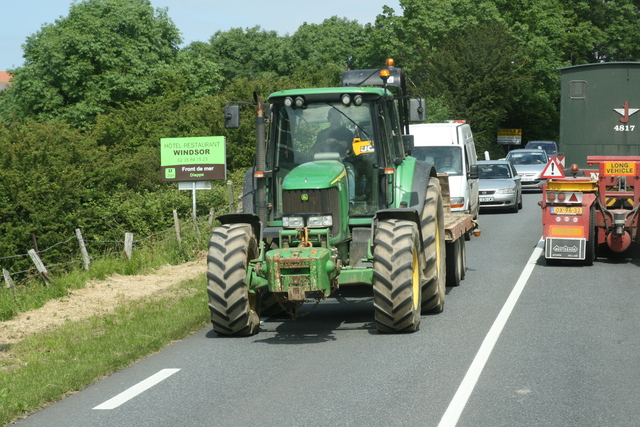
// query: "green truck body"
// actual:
[[599, 106]]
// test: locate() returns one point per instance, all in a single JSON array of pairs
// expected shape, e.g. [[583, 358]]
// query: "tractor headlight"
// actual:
[[292, 221], [320, 221]]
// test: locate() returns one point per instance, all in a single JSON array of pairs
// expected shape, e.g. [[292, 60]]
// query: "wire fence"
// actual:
[[81, 251]]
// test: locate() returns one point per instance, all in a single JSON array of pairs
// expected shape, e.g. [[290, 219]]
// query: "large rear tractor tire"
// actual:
[[231, 247], [432, 223], [396, 276]]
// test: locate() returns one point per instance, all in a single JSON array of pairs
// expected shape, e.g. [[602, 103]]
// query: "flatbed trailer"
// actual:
[[458, 227]]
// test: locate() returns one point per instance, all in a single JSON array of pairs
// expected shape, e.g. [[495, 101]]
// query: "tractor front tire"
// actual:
[[231, 247], [396, 276], [432, 224]]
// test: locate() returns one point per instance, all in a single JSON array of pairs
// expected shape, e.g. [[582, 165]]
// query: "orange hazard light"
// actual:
[[566, 231]]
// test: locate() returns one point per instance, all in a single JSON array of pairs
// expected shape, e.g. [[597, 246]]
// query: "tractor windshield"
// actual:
[[311, 133]]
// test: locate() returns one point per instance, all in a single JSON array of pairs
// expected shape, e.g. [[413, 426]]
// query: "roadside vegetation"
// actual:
[[38, 368], [81, 123]]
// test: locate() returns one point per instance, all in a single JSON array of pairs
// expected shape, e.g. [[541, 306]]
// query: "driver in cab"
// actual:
[[336, 132]]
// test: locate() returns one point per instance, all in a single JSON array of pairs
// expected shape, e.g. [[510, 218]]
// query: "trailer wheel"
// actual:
[[463, 258], [432, 223], [454, 263], [231, 247], [590, 250], [396, 276]]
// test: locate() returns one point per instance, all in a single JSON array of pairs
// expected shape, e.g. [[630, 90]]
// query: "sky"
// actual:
[[197, 20]]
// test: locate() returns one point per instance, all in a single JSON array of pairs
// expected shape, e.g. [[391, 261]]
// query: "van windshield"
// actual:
[[446, 159]]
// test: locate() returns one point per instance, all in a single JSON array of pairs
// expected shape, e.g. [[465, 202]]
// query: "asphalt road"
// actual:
[[518, 344]]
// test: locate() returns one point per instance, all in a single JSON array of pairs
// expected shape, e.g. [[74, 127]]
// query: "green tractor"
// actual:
[[333, 201]]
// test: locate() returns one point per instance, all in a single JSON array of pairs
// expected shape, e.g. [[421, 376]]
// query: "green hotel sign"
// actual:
[[193, 159]]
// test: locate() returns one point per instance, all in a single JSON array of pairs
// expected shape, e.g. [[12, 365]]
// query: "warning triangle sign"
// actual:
[[552, 170]]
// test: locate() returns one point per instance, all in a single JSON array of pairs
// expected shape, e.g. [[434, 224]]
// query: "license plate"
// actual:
[[566, 210], [486, 199], [565, 248], [528, 179]]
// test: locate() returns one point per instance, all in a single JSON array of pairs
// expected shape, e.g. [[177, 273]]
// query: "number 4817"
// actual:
[[624, 128]]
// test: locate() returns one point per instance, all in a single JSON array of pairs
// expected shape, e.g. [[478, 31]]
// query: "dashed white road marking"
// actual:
[[135, 390], [459, 401]]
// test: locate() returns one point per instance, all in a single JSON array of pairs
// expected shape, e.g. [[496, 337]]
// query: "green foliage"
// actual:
[[250, 53], [104, 53], [334, 41], [383, 40], [48, 175], [477, 77]]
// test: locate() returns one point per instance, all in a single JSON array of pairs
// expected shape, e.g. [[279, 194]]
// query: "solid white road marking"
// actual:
[[132, 392], [453, 412]]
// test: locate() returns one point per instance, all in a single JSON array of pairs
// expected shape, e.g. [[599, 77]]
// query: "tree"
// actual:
[[253, 52], [334, 41], [104, 53], [382, 40], [478, 77]]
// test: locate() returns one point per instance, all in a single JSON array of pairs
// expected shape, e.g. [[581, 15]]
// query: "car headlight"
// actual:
[[319, 221], [506, 191], [292, 221]]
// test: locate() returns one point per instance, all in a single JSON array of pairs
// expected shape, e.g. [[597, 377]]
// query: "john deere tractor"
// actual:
[[332, 201]]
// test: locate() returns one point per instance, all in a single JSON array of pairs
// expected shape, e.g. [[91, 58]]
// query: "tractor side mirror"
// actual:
[[231, 116]]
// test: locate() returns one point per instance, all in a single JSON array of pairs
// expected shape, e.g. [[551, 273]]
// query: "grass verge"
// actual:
[[34, 294], [45, 367]]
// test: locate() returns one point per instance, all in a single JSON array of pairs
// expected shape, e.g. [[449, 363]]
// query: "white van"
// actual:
[[451, 149]]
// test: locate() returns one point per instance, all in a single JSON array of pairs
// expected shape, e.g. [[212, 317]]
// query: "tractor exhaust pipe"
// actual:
[[260, 158]]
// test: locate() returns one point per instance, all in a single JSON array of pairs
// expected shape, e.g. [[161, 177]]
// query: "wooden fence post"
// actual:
[[212, 215], [7, 278], [40, 266], [83, 249], [128, 245], [232, 202], [176, 223]]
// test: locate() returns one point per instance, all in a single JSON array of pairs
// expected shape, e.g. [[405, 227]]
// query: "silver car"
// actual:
[[500, 185], [529, 164]]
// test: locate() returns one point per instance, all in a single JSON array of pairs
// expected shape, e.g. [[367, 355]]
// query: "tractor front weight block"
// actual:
[[300, 271]]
